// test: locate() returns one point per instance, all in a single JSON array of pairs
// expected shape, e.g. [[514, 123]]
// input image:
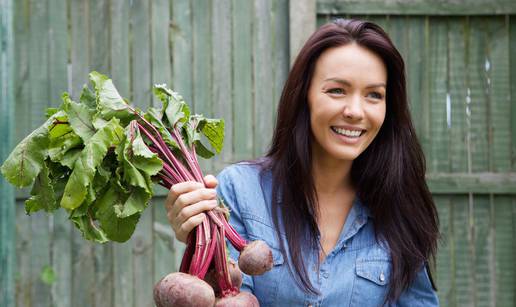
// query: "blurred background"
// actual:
[[229, 59]]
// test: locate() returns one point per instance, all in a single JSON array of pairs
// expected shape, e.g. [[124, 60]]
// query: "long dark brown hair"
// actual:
[[389, 176]]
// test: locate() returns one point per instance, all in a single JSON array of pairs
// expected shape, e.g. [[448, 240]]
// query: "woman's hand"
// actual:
[[186, 203]]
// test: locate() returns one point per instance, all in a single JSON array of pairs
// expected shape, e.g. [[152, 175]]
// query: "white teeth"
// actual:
[[349, 133]]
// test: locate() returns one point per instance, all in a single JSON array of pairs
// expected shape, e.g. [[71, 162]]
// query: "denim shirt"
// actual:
[[355, 273]]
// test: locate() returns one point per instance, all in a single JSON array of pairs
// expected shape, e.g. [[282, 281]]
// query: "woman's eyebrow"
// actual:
[[347, 83]]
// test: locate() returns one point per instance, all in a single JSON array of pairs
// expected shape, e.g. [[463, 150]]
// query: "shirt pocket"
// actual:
[[266, 285], [371, 281]]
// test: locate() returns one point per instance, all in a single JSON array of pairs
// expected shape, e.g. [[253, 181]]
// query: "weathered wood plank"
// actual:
[[504, 250], [82, 292], [476, 98], [263, 94], [161, 73], [418, 7], [464, 252], [123, 293], [221, 79], [99, 61], [7, 105], [58, 81], [445, 252], [438, 154], [39, 100], [280, 34], [483, 227], [478, 183], [243, 80], [21, 96], [182, 49], [415, 69], [498, 91], [202, 66], [302, 22], [512, 58], [456, 96], [143, 276]]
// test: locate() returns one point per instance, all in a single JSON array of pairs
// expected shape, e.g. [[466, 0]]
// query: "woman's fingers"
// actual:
[[194, 209], [186, 203], [180, 188], [210, 181]]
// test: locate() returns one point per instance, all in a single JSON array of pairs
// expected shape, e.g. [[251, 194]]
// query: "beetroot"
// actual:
[[256, 258], [234, 273], [183, 290], [242, 299]]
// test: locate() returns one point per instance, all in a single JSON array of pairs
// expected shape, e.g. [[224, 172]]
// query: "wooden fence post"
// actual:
[[302, 22], [7, 201]]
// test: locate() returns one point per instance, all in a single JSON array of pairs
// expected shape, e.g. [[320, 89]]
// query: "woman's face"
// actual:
[[346, 99]]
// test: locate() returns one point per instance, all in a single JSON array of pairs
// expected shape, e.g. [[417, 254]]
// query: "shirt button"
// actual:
[[382, 277], [326, 275]]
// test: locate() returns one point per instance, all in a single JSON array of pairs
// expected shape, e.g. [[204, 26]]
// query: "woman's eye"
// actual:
[[337, 91], [376, 95]]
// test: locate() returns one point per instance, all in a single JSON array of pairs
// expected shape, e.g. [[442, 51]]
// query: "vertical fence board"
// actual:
[[243, 80], [445, 253], [143, 278], [21, 96], [99, 61], [39, 100], [163, 237], [438, 70], [202, 65], [58, 80], [482, 224], [221, 78], [415, 69], [82, 251], [7, 209], [123, 291], [462, 237], [280, 50], [502, 268], [182, 48], [263, 94], [512, 59]]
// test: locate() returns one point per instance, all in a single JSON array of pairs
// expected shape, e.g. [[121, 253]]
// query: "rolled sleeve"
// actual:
[[421, 293]]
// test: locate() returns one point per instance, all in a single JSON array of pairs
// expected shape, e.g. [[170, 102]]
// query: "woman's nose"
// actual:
[[353, 108]]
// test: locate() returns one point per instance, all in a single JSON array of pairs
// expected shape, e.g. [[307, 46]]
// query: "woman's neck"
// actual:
[[331, 176]]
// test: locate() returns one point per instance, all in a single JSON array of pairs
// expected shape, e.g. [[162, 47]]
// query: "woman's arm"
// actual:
[[421, 292]]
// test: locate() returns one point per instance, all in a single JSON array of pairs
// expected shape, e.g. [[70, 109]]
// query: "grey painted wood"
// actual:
[[302, 21]]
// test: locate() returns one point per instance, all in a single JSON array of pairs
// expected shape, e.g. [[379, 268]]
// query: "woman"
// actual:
[[341, 196]]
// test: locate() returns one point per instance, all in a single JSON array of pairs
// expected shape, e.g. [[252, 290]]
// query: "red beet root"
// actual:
[[234, 273], [256, 258], [242, 299], [183, 290]]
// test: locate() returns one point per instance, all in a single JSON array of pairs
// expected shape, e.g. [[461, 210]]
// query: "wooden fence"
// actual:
[[229, 59]]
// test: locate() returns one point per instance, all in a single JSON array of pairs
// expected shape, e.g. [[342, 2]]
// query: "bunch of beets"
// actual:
[[99, 158]]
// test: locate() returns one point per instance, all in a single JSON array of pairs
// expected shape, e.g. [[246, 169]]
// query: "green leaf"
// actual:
[[26, 160], [43, 195], [88, 98], [80, 118], [116, 228], [89, 228], [109, 102], [213, 129], [86, 165], [176, 109], [154, 117], [48, 276]]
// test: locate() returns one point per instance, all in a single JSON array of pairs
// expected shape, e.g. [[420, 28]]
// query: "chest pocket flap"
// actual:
[[258, 229], [376, 270]]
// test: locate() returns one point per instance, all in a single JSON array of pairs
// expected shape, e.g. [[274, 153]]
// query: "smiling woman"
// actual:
[[340, 196]]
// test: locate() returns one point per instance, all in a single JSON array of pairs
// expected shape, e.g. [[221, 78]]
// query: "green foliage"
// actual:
[[90, 159]]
